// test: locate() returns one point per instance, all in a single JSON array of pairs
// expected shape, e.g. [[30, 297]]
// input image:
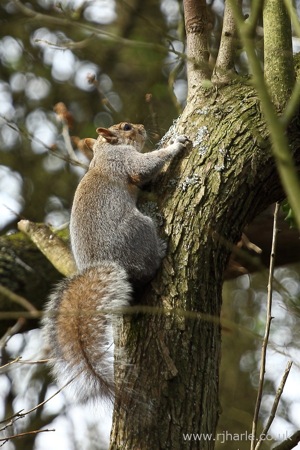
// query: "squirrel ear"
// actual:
[[108, 135]]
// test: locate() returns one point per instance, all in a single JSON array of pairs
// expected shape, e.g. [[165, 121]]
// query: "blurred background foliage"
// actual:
[[102, 59]]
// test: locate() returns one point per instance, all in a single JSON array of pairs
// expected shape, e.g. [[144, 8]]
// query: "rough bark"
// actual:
[[169, 385]]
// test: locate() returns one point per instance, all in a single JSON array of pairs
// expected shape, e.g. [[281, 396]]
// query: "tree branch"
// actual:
[[11, 296], [16, 328], [275, 405], [267, 331], [196, 25], [280, 145], [290, 442], [50, 245], [95, 31], [21, 414], [278, 52], [19, 435], [224, 67], [32, 138], [293, 15]]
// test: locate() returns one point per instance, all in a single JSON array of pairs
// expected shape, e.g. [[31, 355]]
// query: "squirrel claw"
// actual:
[[182, 140]]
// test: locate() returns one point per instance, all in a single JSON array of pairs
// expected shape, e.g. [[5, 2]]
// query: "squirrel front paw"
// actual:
[[181, 142], [184, 140], [178, 144]]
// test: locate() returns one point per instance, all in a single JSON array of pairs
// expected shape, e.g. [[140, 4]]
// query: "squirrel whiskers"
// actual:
[[115, 247]]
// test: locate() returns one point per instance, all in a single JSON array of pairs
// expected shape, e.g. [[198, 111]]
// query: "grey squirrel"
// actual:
[[115, 247]]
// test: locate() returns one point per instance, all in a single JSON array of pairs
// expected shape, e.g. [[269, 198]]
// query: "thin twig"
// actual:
[[10, 419], [65, 117], [256, 7], [32, 138], [11, 315], [275, 405], [67, 44], [293, 15], [106, 36], [155, 131], [12, 331], [13, 297], [292, 105], [67, 140], [267, 331], [19, 360], [10, 363], [37, 361], [20, 415], [19, 435], [171, 81]]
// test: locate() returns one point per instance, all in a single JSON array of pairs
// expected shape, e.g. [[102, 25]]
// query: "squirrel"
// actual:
[[115, 248]]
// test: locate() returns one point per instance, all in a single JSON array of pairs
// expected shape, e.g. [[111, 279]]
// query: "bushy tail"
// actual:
[[78, 329]]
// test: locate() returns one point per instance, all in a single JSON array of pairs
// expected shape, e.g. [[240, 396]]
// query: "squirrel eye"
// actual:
[[127, 127]]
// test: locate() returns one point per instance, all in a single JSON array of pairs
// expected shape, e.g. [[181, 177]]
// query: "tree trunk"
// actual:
[[168, 386]]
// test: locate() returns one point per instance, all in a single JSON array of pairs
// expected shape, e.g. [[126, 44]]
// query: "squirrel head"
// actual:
[[124, 133]]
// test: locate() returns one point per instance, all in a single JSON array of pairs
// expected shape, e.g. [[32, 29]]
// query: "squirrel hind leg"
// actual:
[[162, 247], [79, 327]]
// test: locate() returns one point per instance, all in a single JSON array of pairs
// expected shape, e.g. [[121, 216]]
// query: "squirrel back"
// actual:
[[115, 246], [105, 201]]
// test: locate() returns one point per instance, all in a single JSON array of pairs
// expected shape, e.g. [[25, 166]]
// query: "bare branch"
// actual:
[[224, 67], [155, 132], [19, 435], [95, 31], [275, 405], [267, 331], [54, 248], [292, 105], [17, 314], [280, 145], [20, 415], [66, 120], [19, 360], [196, 25], [6, 366], [12, 331], [51, 150], [293, 15], [171, 81], [18, 299], [256, 7], [278, 52]]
